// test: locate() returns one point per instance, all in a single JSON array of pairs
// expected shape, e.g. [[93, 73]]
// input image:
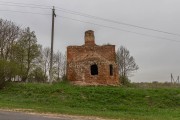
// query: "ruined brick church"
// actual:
[[91, 64]]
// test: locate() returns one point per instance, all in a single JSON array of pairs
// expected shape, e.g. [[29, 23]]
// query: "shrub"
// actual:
[[37, 75], [124, 80], [3, 73], [8, 70]]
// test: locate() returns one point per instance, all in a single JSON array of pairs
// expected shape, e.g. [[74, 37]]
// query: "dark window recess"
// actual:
[[94, 69], [111, 69]]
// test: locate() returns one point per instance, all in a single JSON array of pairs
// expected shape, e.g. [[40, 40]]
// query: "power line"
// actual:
[[98, 25], [147, 35], [24, 12], [25, 6], [38, 5], [113, 21], [89, 16]]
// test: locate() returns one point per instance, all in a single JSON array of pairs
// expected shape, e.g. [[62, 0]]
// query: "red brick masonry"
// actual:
[[91, 64]]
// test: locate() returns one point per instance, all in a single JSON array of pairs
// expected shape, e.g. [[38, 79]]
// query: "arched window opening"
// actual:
[[94, 69], [111, 70]]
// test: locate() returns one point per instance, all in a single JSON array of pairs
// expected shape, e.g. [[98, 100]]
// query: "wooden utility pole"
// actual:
[[52, 42]]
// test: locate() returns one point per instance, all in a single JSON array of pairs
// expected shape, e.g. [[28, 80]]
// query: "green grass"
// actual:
[[104, 101]]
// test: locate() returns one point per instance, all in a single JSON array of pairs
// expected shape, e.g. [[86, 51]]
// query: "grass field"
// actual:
[[154, 103]]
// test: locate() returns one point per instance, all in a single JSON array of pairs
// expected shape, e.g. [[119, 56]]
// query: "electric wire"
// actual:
[[86, 15], [142, 34], [16, 3], [113, 21], [26, 6], [24, 12]]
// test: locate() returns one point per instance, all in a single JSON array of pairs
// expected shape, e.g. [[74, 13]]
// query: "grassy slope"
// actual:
[[110, 102]]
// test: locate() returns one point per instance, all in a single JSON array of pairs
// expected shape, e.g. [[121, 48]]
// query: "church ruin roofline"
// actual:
[[89, 41], [95, 46]]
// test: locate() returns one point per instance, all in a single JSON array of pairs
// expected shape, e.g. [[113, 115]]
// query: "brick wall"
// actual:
[[81, 58]]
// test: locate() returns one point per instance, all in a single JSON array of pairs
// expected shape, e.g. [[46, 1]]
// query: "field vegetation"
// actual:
[[135, 102]]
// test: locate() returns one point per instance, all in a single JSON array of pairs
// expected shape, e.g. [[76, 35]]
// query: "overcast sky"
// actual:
[[157, 58]]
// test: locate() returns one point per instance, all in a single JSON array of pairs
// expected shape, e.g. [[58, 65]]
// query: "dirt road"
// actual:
[[14, 115]]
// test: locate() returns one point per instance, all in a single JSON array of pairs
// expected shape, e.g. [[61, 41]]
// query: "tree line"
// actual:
[[23, 59]]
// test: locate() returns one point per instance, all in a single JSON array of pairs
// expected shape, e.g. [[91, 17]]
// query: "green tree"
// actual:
[[3, 73], [27, 50], [19, 57], [9, 32], [19, 51]]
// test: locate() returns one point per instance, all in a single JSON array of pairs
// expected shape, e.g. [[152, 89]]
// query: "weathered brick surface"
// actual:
[[80, 59]]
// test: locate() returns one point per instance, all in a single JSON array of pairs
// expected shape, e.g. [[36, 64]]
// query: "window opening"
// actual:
[[111, 70], [94, 69]]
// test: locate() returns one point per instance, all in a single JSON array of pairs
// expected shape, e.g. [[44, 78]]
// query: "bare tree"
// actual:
[[9, 32], [60, 65], [46, 60], [58, 58], [64, 64], [126, 62]]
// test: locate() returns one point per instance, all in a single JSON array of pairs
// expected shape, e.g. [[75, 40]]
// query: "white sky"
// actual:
[[157, 58]]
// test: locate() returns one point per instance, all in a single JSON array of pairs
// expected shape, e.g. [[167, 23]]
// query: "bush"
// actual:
[[125, 81], [2, 83], [3, 73], [37, 75], [8, 70]]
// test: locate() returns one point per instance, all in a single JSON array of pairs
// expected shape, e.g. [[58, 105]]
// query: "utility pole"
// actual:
[[172, 79], [52, 42], [178, 80]]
